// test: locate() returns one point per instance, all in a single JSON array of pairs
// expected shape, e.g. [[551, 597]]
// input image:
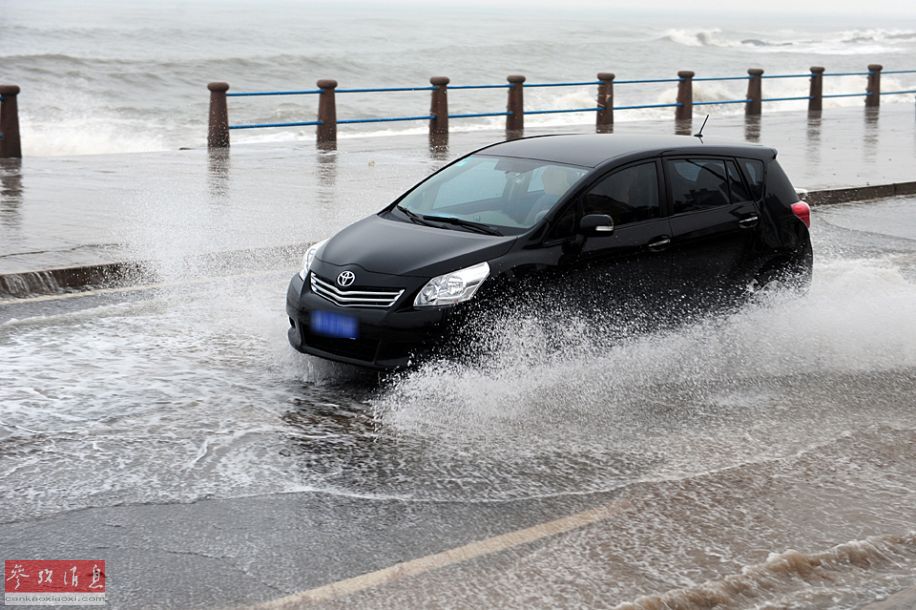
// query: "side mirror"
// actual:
[[597, 223]]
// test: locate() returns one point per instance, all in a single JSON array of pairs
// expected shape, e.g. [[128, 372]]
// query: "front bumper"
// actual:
[[388, 338]]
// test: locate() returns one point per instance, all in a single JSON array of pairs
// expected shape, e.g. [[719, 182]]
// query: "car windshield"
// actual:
[[506, 193]]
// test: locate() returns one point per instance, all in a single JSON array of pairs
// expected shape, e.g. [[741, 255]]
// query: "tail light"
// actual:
[[803, 211]]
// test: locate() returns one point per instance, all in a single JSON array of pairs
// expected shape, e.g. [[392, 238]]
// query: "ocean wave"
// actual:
[[785, 571], [864, 42], [301, 62], [92, 134], [696, 38]]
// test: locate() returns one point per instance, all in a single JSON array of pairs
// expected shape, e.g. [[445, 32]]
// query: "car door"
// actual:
[[713, 225], [630, 264]]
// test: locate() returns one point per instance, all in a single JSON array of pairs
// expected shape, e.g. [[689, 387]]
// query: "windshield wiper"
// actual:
[[466, 224], [413, 216]]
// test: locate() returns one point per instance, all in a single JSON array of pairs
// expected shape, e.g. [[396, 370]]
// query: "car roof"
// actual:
[[593, 150]]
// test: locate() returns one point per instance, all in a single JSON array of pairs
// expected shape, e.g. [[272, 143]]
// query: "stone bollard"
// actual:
[[438, 107], [684, 112], [218, 130], [873, 99], [327, 113], [754, 104], [816, 91], [604, 123], [10, 144], [515, 120]]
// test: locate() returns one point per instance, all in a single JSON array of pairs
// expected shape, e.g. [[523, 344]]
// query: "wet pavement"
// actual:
[[170, 207], [765, 458]]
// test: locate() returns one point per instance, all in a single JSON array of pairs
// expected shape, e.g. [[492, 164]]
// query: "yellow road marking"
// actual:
[[414, 567]]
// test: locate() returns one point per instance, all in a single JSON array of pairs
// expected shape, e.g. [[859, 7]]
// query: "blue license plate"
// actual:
[[332, 324]]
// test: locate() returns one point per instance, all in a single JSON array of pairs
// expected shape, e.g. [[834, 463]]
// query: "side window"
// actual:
[[698, 184], [478, 182], [736, 184], [753, 171], [628, 195]]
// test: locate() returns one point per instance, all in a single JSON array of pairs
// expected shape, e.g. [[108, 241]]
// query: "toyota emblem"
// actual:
[[346, 278]]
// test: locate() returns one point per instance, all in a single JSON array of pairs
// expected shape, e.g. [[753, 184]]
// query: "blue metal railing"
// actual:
[[808, 75], [259, 125], [574, 84], [383, 89], [563, 110], [641, 106], [499, 86], [598, 108], [646, 81], [257, 93], [474, 115], [714, 78], [785, 99], [716, 102], [390, 119]]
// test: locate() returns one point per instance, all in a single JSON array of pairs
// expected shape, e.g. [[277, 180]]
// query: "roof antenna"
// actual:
[[699, 134]]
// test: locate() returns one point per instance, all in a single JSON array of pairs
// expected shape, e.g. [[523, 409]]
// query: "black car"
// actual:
[[608, 215]]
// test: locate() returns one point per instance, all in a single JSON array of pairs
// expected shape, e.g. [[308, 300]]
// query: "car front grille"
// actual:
[[381, 299]]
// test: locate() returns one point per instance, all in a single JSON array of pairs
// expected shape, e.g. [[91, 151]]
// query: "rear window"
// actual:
[[778, 184], [698, 184], [753, 171]]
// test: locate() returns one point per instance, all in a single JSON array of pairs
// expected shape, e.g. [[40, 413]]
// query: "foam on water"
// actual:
[[830, 526], [785, 579], [797, 409], [197, 390], [848, 42], [856, 318]]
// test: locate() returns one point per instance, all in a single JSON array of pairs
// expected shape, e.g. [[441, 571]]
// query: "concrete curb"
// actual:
[[116, 274], [132, 273], [860, 193], [52, 281]]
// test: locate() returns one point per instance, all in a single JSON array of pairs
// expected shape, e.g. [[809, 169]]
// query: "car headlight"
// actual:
[[308, 257], [452, 288]]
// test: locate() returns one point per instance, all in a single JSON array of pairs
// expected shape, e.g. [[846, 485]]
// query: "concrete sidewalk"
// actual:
[[159, 211]]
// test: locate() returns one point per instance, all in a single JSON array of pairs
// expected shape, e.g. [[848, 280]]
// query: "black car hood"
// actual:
[[393, 247]]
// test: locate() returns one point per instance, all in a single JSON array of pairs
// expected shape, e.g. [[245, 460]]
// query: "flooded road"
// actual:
[[765, 458]]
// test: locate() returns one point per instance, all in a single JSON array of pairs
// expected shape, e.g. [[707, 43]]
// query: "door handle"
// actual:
[[659, 244], [748, 223]]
